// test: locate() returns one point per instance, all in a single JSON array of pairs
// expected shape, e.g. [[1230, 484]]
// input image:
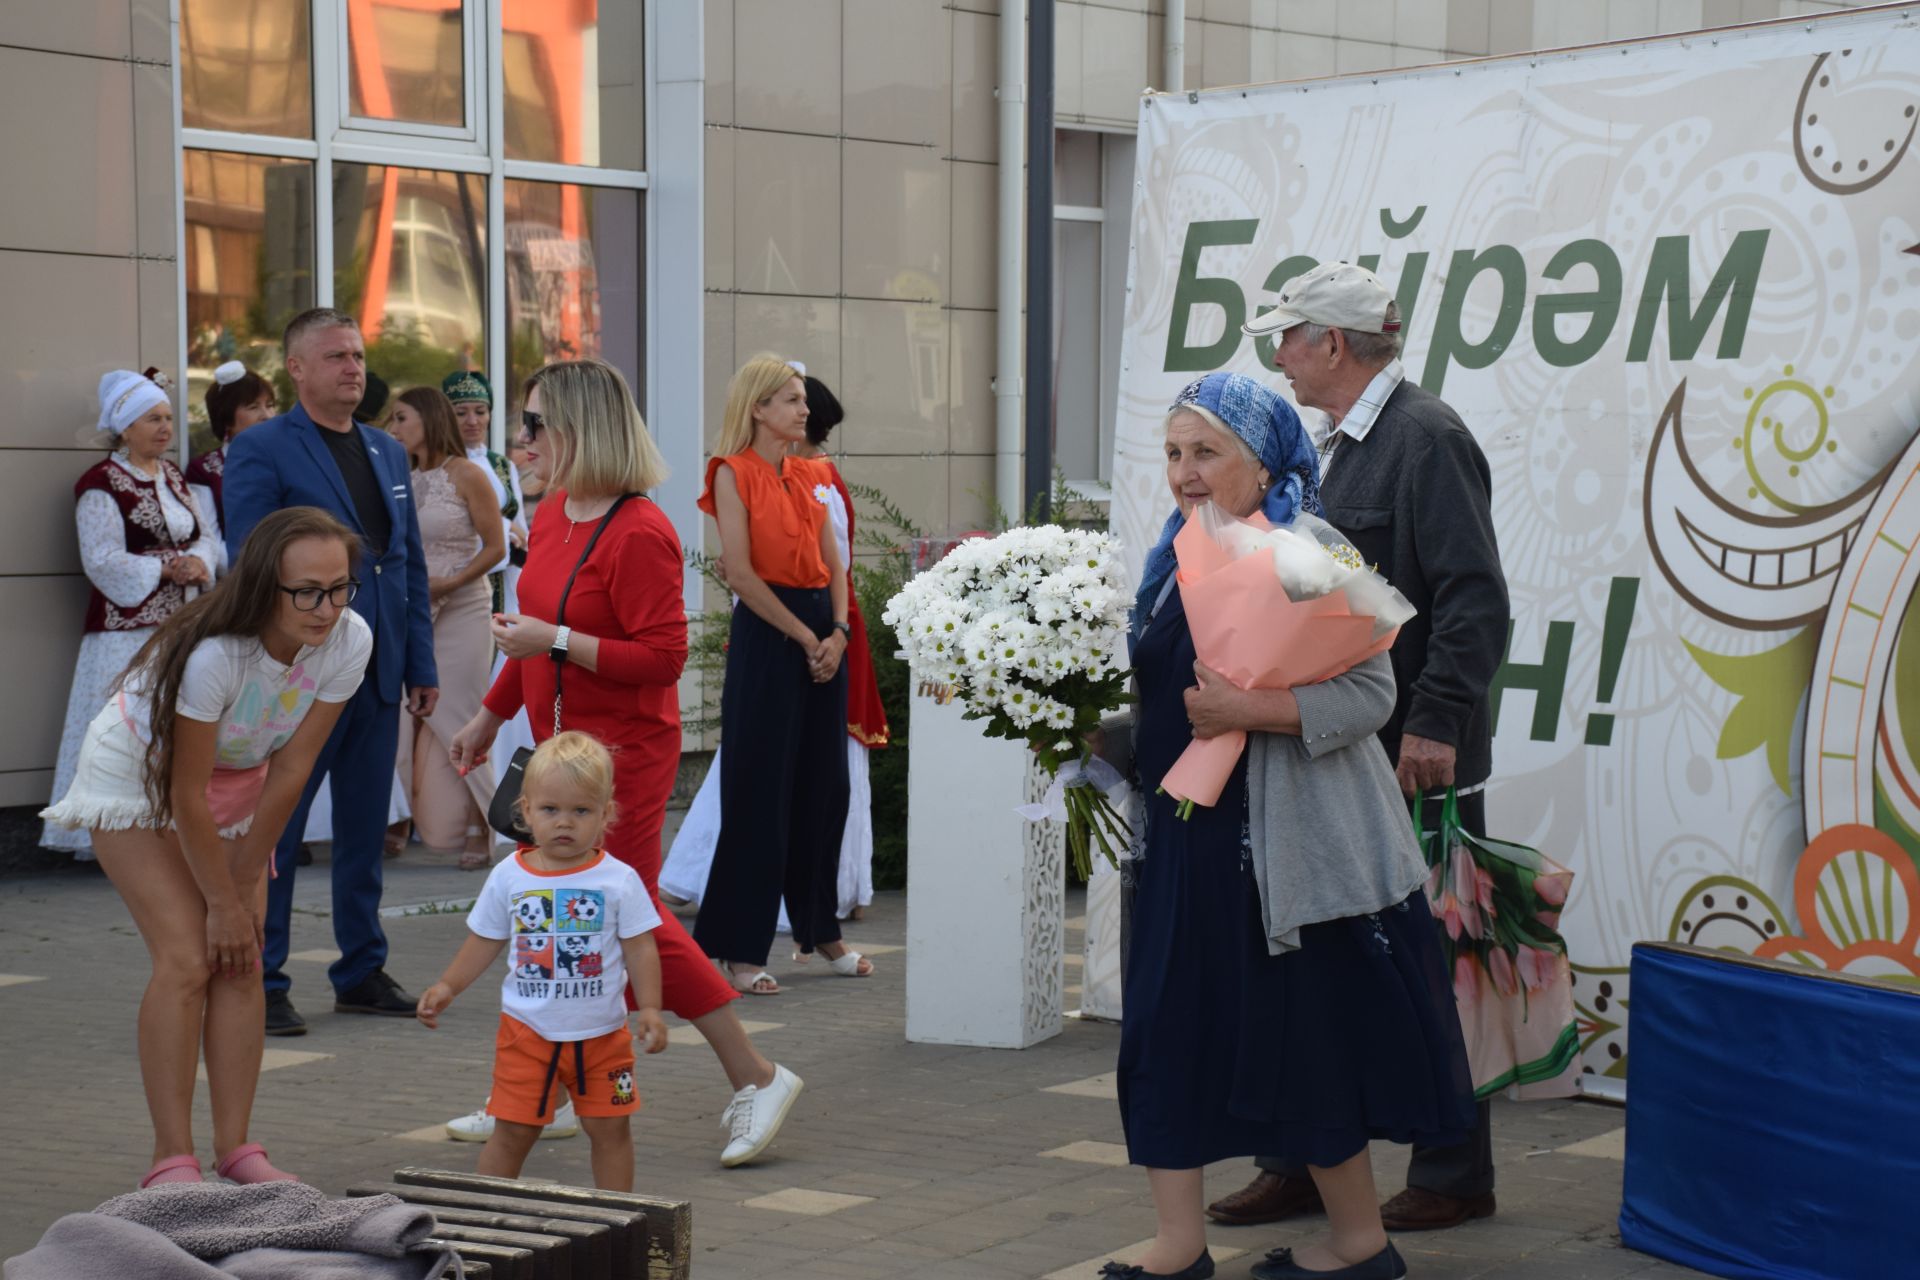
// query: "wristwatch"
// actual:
[[560, 637], [843, 629]]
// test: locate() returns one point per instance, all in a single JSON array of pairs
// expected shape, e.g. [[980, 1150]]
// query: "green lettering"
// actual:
[[1449, 345], [1298, 265], [1668, 275], [1547, 679], [1193, 289], [1601, 304]]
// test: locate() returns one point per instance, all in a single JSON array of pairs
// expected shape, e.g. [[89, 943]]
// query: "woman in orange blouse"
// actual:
[[783, 707]]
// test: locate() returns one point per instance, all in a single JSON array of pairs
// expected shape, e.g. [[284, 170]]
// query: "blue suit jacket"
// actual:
[[283, 462]]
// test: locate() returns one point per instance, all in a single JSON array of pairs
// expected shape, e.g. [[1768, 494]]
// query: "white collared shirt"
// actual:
[[1360, 418]]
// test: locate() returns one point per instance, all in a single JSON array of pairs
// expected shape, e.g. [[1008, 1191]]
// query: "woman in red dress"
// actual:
[[623, 646]]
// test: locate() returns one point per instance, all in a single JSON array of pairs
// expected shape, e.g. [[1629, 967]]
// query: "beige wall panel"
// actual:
[[153, 31], [1408, 57], [718, 208], [40, 634], [84, 321], [717, 313], [41, 515], [970, 363], [156, 164], [1422, 24], [974, 278], [719, 42], [894, 367], [896, 203], [786, 221], [1190, 60], [1226, 54], [893, 74], [786, 60], [976, 6], [78, 166], [96, 28], [969, 492], [803, 329], [1069, 41], [976, 72], [159, 320], [918, 486], [1675, 15], [1628, 19], [1350, 56], [1510, 25], [1237, 13], [1468, 22], [1316, 17], [1113, 65], [1369, 20], [1299, 57], [28, 787]]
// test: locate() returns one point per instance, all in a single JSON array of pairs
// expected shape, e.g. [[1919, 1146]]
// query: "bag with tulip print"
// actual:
[[1498, 906]]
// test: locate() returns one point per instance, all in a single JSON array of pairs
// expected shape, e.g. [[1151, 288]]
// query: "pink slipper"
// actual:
[[172, 1169], [248, 1164]]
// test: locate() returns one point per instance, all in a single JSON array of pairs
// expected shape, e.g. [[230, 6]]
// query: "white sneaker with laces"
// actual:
[[755, 1116], [478, 1126]]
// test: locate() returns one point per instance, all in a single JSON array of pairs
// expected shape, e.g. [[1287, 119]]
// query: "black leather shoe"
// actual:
[[1384, 1265], [1201, 1268], [378, 994], [282, 1018]]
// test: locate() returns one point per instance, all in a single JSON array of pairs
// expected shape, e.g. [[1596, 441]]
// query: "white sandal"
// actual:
[[749, 983], [847, 965]]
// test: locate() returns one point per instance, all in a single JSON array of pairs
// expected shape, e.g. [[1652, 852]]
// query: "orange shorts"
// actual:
[[533, 1075]]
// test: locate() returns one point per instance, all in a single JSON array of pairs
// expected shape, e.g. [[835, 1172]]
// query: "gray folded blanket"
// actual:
[[214, 1220], [93, 1246]]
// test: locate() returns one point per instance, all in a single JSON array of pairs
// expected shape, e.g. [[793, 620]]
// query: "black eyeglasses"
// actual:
[[532, 423], [307, 599]]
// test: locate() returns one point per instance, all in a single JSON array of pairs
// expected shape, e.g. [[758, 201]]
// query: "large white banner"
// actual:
[[1672, 287]]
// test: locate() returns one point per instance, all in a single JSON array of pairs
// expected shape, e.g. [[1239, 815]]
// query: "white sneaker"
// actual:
[[478, 1126], [755, 1116]]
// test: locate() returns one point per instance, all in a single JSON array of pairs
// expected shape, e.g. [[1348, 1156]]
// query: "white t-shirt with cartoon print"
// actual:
[[258, 703], [566, 973]]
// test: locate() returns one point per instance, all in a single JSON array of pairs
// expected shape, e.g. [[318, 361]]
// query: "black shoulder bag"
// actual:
[[503, 815]]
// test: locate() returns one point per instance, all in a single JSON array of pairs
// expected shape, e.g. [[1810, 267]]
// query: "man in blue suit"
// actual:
[[317, 455]]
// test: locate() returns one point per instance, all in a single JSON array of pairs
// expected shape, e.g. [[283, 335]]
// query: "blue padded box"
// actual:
[[1773, 1118]]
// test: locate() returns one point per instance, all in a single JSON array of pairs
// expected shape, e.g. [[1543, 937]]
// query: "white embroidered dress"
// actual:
[[125, 578]]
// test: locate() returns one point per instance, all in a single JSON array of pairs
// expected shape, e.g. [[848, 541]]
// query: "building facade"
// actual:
[[672, 185]]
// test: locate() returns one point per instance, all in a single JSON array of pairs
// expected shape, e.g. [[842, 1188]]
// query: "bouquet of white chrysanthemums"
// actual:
[[1029, 630]]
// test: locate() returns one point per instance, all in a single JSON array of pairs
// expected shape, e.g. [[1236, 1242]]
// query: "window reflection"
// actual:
[[249, 265], [410, 265], [572, 73], [246, 66], [406, 60], [573, 278]]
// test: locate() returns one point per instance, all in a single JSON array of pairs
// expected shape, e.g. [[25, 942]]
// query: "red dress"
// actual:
[[866, 717], [628, 597]]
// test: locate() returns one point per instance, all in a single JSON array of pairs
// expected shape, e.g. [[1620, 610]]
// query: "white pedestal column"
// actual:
[[986, 889]]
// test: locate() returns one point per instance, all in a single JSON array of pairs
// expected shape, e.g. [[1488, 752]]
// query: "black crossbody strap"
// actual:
[[560, 613]]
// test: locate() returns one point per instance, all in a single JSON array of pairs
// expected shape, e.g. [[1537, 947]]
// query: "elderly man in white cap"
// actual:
[[1402, 477]]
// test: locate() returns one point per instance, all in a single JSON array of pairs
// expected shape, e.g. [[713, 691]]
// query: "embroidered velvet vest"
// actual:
[[147, 535], [210, 469]]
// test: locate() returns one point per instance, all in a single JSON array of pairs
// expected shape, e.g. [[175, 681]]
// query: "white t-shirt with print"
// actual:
[[258, 703], [566, 974]]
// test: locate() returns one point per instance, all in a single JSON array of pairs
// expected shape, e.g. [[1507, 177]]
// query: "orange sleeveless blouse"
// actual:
[[784, 516]]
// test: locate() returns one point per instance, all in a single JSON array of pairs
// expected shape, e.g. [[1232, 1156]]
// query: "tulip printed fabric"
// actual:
[[1498, 905]]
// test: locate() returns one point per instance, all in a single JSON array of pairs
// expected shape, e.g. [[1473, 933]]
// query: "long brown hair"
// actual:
[[439, 429], [241, 604]]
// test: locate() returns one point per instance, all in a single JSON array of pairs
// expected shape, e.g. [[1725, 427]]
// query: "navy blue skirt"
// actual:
[[1227, 1051]]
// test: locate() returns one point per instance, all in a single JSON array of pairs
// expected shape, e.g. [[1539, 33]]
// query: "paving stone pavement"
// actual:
[[903, 1160]]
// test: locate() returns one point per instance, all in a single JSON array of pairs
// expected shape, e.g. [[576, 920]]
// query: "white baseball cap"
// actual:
[[1337, 295]]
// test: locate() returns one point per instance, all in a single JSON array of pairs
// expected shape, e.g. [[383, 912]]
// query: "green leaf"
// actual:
[[1769, 687]]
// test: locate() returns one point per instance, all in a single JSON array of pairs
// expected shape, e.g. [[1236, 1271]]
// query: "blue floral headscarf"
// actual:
[[1272, 430]]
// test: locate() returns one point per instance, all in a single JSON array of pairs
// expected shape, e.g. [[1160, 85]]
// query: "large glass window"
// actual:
[[410, 260], [249, 265], [1093, 190], [572, 73], [246, 66], [406, 60], [573, 277]]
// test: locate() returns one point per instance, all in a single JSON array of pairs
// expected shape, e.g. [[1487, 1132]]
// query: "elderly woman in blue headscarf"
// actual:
[[1284, 986]]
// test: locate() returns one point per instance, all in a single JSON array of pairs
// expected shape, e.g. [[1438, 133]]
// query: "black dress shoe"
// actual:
[[1201, 1268], [282, 1018], [1384, 1265], [376, 993]]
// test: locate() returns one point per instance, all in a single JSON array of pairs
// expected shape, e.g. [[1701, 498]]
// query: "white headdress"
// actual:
[[124, 397], [229, 373]]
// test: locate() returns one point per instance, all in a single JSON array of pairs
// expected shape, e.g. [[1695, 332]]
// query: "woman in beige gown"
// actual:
[[460, 531]]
